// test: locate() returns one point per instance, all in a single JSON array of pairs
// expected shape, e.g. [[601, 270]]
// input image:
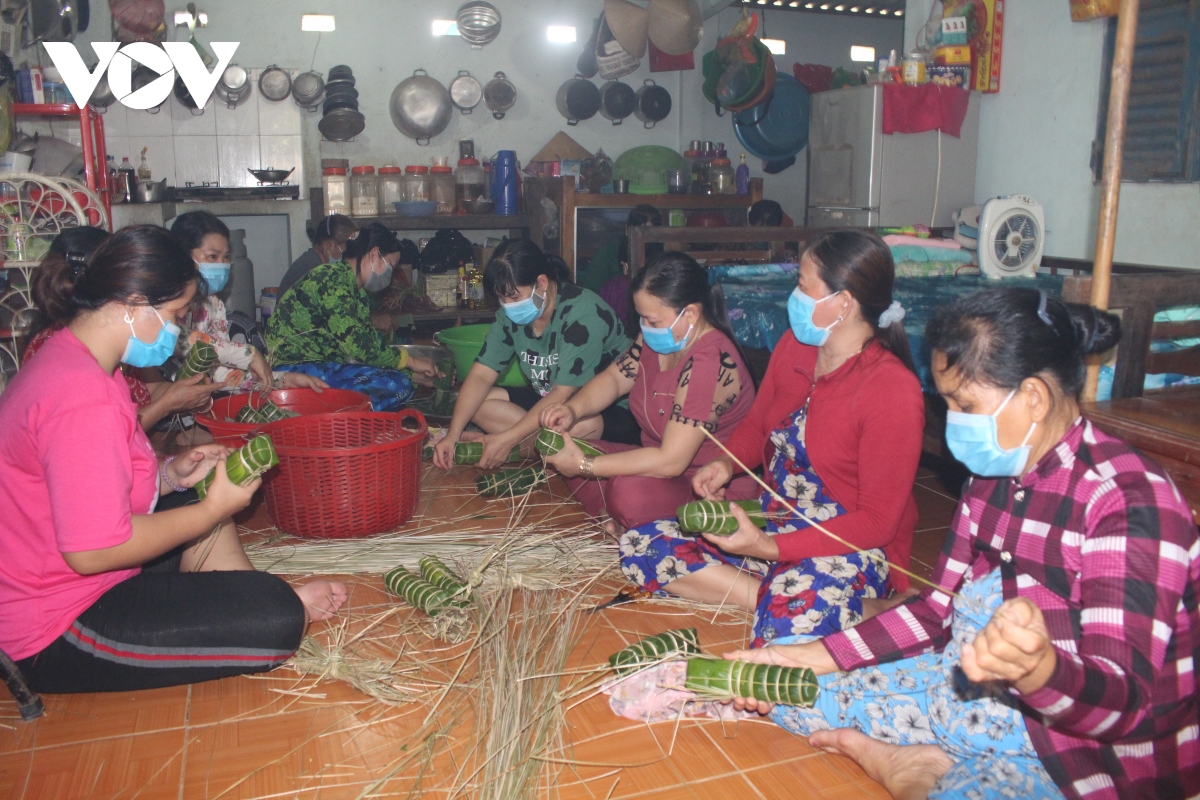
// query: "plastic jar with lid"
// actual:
[[416, 184], [441, 187], [470, 183], [722, 176], [336, 186], [391, 188], [364, 192]]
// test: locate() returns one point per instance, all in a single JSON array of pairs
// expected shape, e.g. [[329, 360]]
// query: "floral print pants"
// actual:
[[928, 700], [815, 596]]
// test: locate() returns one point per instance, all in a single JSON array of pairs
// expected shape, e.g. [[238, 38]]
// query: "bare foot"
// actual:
[[873, 606], [907, 772], [611, 527], [321, 599]]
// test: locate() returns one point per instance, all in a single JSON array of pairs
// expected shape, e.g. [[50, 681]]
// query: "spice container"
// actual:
[[914, 68], [364, 192], [678, 181], [470, 183], [391, 188], [336, 186], [416, 184], [722, 177], [441, 187]]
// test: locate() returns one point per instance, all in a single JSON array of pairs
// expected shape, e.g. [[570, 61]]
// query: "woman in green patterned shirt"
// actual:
[[322, 325], [561, 335]]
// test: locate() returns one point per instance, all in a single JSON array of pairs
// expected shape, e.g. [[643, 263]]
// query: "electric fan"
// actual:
[[1011, 229]]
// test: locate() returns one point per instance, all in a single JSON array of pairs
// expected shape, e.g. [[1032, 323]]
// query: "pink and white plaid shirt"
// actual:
[[1099, 538]]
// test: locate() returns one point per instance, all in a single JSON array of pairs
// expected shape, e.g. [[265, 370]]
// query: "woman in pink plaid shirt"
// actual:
[[1055, 653]]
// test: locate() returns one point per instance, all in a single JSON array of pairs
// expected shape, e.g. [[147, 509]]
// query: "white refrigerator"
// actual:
[[858, 177]]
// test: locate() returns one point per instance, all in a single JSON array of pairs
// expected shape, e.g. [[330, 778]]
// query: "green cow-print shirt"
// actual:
[[582, 338], [326, 316]]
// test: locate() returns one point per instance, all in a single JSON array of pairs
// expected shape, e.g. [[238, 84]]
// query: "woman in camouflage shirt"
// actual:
[[322, 325]]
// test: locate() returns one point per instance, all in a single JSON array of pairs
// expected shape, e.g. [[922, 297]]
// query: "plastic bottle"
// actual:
[[743, 177], [128, 180], [143, 170]]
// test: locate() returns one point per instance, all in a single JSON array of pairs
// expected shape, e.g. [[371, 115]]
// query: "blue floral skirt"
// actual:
[[928, 700], [388, 388]]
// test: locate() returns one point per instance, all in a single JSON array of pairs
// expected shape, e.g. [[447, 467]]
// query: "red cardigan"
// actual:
[[865, 425]]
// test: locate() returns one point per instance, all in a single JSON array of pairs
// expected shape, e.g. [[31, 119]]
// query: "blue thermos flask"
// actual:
[[504, 183]]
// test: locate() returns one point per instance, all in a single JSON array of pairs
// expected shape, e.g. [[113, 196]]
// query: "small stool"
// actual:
[[27, 699]]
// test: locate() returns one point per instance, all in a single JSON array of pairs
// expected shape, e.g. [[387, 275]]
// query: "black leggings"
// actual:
[[166, 628]]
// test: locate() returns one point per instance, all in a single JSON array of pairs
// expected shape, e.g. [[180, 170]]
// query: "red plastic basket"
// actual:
[[302, 401], [347, 475]]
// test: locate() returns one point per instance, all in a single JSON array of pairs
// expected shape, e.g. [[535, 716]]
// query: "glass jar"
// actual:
[[364, 192], [336, 186], [391, 188], [470, 183], [915, 68], [416, 184], [722, 177], [441, 188]]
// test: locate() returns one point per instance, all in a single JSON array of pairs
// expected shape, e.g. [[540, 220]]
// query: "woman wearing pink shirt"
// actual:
[[115, 576]]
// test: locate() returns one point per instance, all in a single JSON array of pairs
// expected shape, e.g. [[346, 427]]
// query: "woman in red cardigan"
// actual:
[[837, 426]]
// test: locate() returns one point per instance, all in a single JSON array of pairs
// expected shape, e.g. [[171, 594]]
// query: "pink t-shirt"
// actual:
[[75, 466]]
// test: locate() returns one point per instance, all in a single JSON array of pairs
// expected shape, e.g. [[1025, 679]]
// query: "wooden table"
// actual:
[[1165, 426]]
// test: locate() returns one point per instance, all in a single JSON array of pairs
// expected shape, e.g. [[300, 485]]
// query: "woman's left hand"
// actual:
[[748, 540], [424, 370], [187, 468], [262, 370], [566, 461], [298, 380], [1014, 646]]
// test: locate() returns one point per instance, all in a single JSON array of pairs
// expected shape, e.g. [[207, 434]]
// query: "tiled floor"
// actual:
[[281, 736]]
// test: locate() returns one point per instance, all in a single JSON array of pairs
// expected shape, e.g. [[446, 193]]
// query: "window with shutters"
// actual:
[[1162, 130]]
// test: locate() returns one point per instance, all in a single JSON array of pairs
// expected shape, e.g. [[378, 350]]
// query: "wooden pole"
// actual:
[[1114, 146]]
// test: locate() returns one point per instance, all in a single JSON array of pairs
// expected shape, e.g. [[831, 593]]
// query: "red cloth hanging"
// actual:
[[929, 107]]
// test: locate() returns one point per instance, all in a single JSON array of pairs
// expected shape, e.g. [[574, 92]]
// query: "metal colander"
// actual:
[[478, 22]]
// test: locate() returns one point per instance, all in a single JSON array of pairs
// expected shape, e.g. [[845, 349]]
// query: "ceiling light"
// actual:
[[185, 17], [824, 6], [445, 27], [322, 23], [854, 9], [900, 13], [778, 2], [862, 53], [560, 34], [776, 46], [839, 8], [794, 4], [808, 5], [870, 11]]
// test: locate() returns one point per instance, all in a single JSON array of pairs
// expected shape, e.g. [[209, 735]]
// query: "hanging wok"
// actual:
[[420, 107]]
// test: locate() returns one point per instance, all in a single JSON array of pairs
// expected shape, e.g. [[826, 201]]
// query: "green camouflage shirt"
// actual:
[[326, 316]]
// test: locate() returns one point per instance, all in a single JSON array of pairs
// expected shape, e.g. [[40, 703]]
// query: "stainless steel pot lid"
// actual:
[[478, 22], [275, 83], [342, 124], [465, 91]]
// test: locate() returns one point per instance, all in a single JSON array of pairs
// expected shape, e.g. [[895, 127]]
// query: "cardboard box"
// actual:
[[956, 76], [987, 24]]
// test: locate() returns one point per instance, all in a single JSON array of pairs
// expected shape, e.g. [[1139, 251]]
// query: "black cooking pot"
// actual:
[[341, 73], [653, 103], [617, 101], [185, 97], [348, 93], [340, 84], [578, 99], [333, 104]]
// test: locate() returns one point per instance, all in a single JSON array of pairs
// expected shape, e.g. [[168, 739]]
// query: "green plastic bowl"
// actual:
[[465, 342]]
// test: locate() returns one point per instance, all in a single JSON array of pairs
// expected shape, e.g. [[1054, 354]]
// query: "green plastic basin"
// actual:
[[465, 342]]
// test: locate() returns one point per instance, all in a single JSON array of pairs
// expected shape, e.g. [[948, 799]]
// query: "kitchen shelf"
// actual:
[[91, 131]]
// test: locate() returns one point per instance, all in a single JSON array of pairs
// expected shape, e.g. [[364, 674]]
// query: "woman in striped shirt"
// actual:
[[1053, 655]]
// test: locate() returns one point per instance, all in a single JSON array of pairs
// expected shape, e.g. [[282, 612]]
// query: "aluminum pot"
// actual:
[[578, 99], [653, 103], [465, 92], [144, 76], [102, 97], [274, 83], [307, 90], [233, 88], [617, 101], [420, 107], [499, 95]]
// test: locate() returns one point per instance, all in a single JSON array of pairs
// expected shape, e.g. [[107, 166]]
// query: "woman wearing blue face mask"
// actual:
[[837, 427], [684, 375], [321, 327], [561, 335], [1054, 654], [115, 575]]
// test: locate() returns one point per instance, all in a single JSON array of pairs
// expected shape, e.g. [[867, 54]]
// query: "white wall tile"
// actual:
[[160, 155], [195, 159], [283, 152], [119, 147], [185, 123], [236, 155], [240, 121], [116, 120], [143, 123]]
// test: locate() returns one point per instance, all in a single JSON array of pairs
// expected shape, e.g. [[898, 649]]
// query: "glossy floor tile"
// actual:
[[283, 735]]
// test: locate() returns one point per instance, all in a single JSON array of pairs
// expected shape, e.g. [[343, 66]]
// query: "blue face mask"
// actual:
[[974, 440], [662, 340], [525, 311], [215, 275], [800, 309], [140, 354]]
